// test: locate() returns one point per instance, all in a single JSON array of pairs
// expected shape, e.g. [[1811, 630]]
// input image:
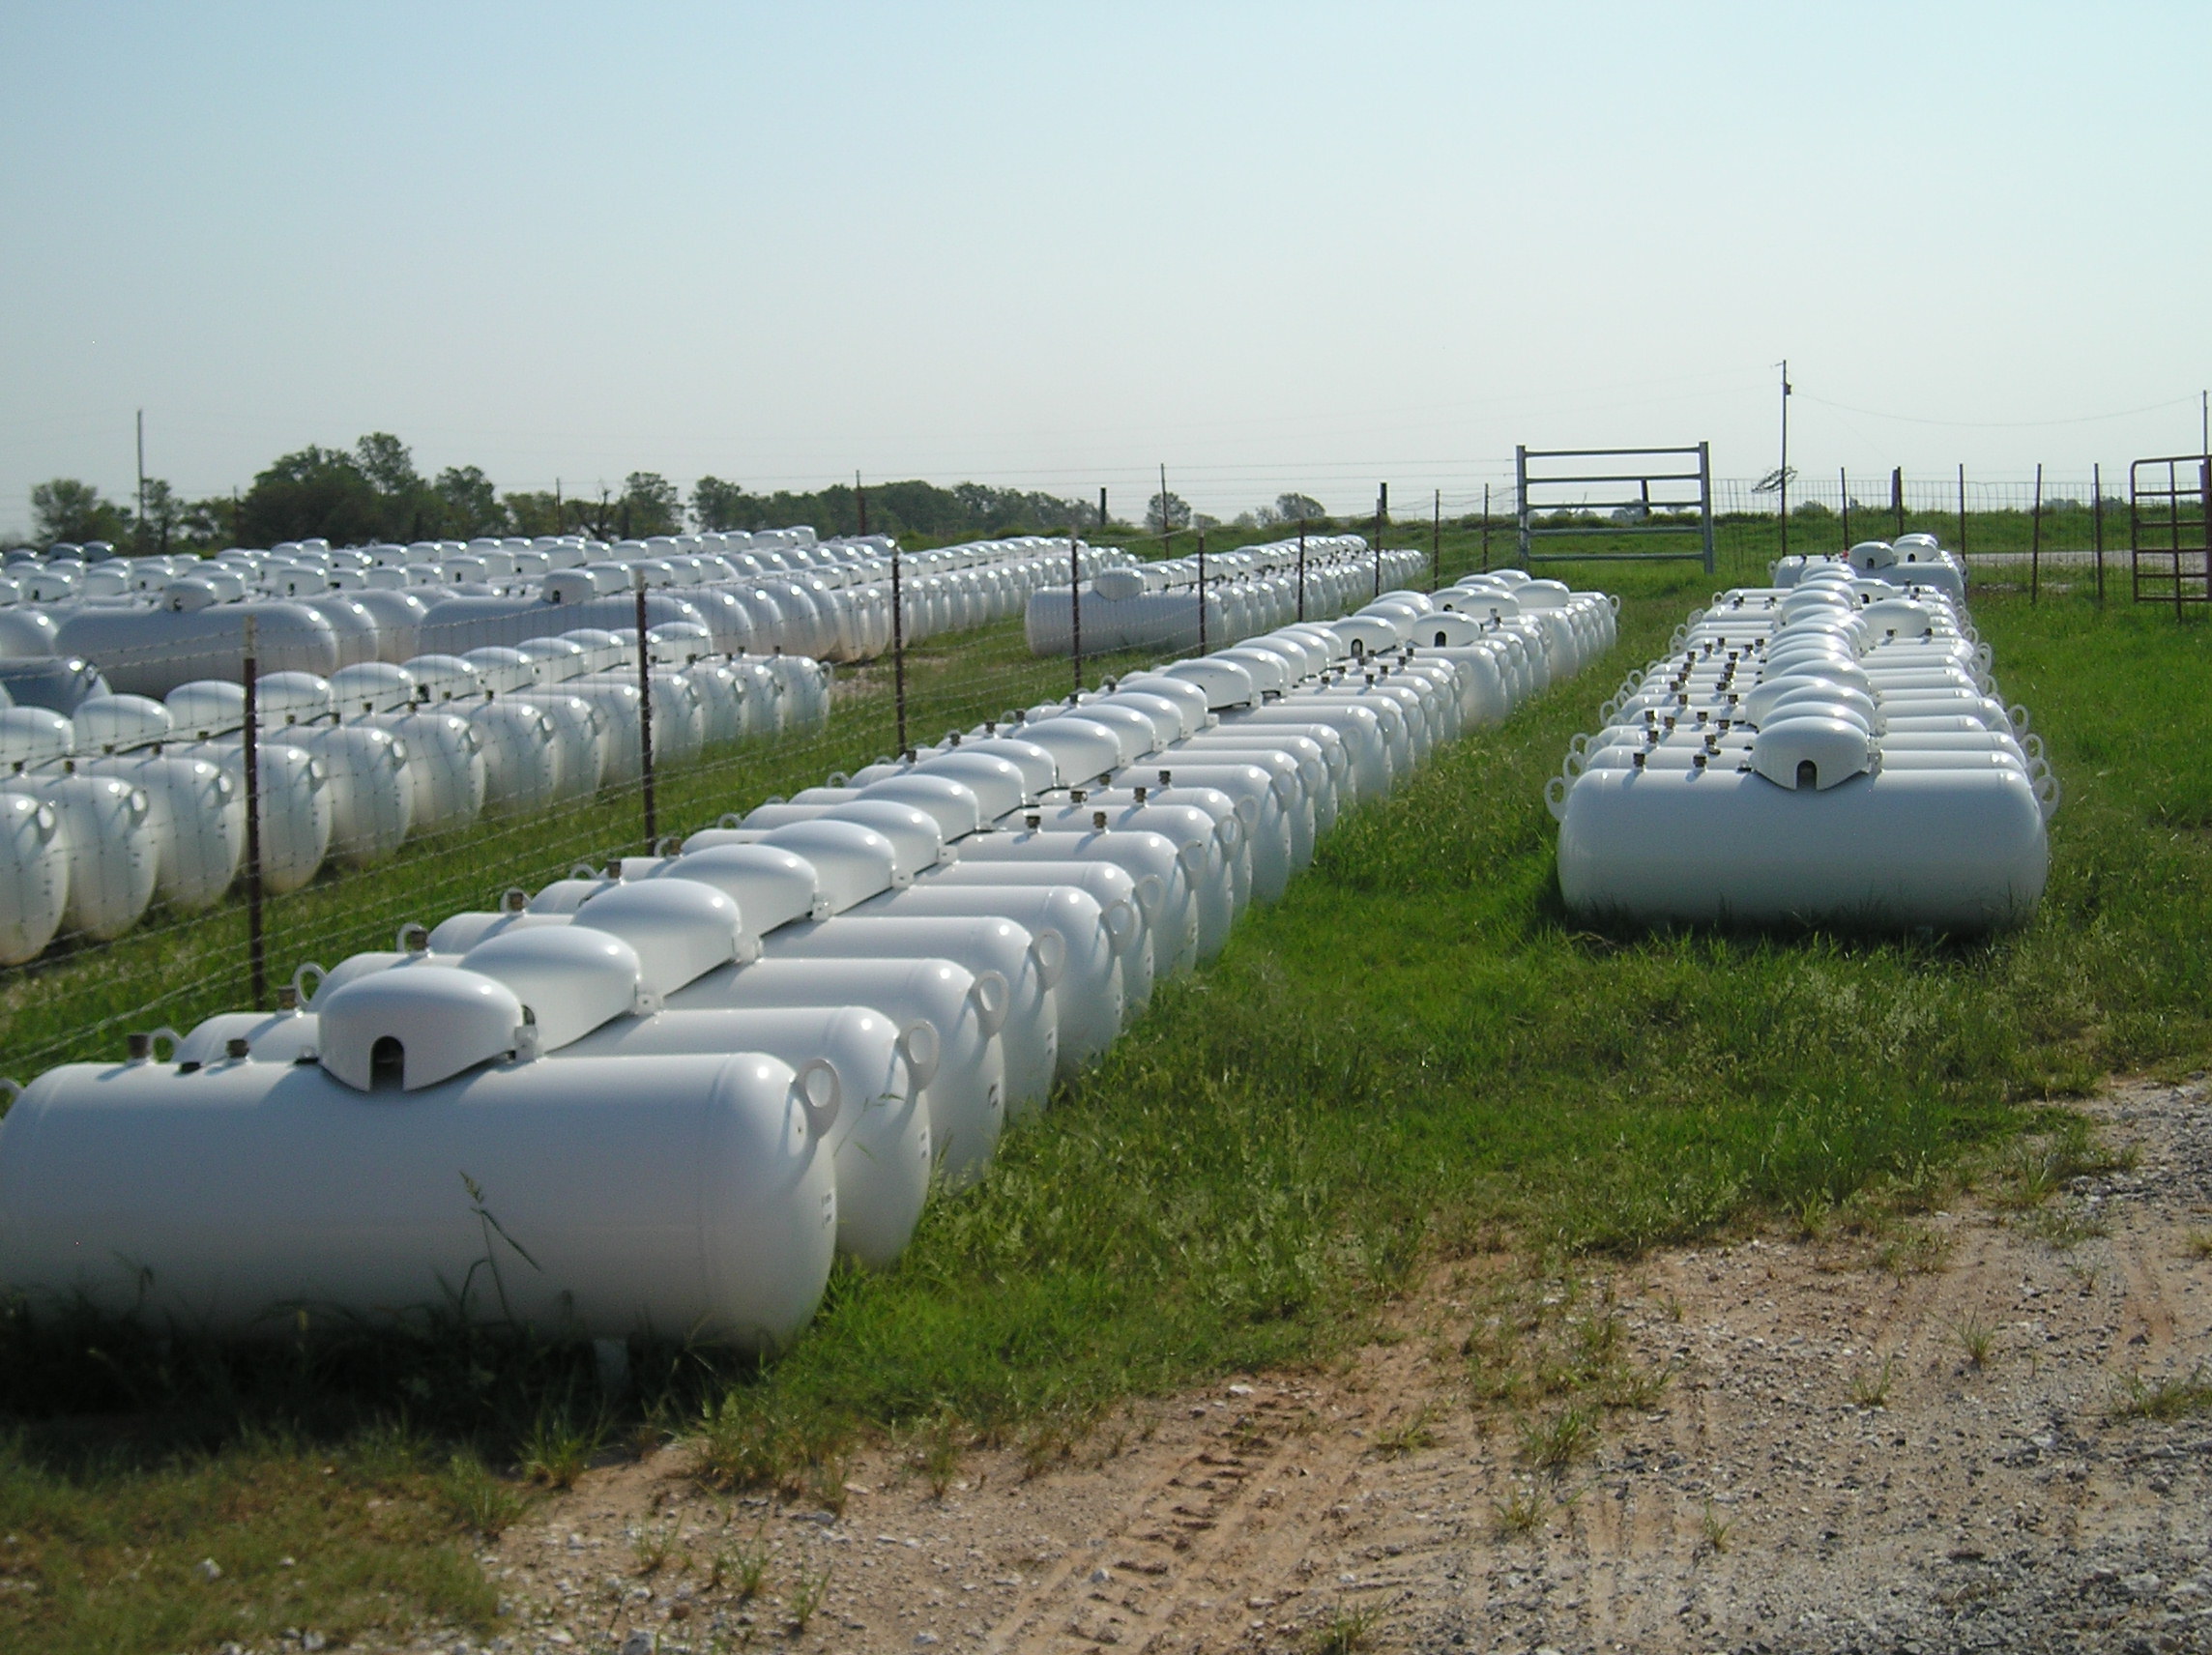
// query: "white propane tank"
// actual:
[[1105, 883], [34, 736], [770, 886], [580, 756], [112, 855], [880, 1144], [997, 783], [1325, 784], [372, 687], [1151, 860], [682, 1195], [444, 767], [1358, 728], [115, 723], [521, 750], [295, 805], [371, 794], [199, 818], [1283, 816], [1030, 966], [1211, 852], [680, 928], [1234, 820], [966, 1095], [1089, 997], [34, 876], [1956, 850]]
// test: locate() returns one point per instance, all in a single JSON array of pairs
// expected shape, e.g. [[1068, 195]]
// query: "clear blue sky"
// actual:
[[1271, 245]]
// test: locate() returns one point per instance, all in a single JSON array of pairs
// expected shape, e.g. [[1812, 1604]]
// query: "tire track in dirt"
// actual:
[[1828, 1471]]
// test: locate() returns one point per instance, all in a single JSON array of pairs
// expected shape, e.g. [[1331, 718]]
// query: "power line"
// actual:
[[1997, 425]]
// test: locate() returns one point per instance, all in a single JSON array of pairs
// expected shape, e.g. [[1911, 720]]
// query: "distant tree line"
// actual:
[[373, 492]]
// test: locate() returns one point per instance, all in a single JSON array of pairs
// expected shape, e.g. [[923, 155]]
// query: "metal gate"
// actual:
[[2170, 529], [1631, 513]]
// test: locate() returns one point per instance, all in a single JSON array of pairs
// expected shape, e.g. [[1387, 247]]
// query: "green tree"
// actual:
[[64, 508], [1167, 511], [209, 525], [389, 464], [468, 502], [536, 511], [717, 505], [410, 507], [160, 519], [314, 491], [650, 504], [1299, 508]]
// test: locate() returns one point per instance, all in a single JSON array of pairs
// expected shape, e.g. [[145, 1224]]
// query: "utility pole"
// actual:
[[141, 479], [1301, 568], [1101, 510], [860, 495], [1436, 547], [1782, 476], [1165, 525]]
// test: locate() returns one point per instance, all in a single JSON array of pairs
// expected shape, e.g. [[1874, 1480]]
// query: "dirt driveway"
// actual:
[[1769, 1445]]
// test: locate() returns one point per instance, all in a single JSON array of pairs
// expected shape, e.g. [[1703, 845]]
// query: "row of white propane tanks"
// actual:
[[152, 622], [1829, 749], [682, 1086], [1252, 589], [130, 799]]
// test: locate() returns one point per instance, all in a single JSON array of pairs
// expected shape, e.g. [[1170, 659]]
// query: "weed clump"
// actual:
[[2167, 1399], [1346, 1630], [477, 1498], [1521, 1512], [1869, 1387], [1977, 1337]]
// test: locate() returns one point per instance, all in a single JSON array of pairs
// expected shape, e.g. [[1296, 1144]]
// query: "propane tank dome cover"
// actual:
[[852, 862], [575, 977], [680, 929], [407, 1029], [770, 886], [1811, 752]]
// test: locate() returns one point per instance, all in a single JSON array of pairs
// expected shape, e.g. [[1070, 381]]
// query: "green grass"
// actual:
[[2177, 1396], [344, 1542], [1414, 1057]]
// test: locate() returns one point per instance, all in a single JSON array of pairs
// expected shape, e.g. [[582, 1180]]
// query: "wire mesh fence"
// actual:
[[350, 848]]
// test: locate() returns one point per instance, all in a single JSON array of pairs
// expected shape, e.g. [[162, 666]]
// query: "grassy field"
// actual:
[[1414, 1057]]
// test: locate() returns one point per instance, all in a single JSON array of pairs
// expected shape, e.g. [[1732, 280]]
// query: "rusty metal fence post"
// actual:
[[898, 645], [2097, 524], [2035, 542], [1201, 587], [256, 943], [645, 718], [1074, 611]]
